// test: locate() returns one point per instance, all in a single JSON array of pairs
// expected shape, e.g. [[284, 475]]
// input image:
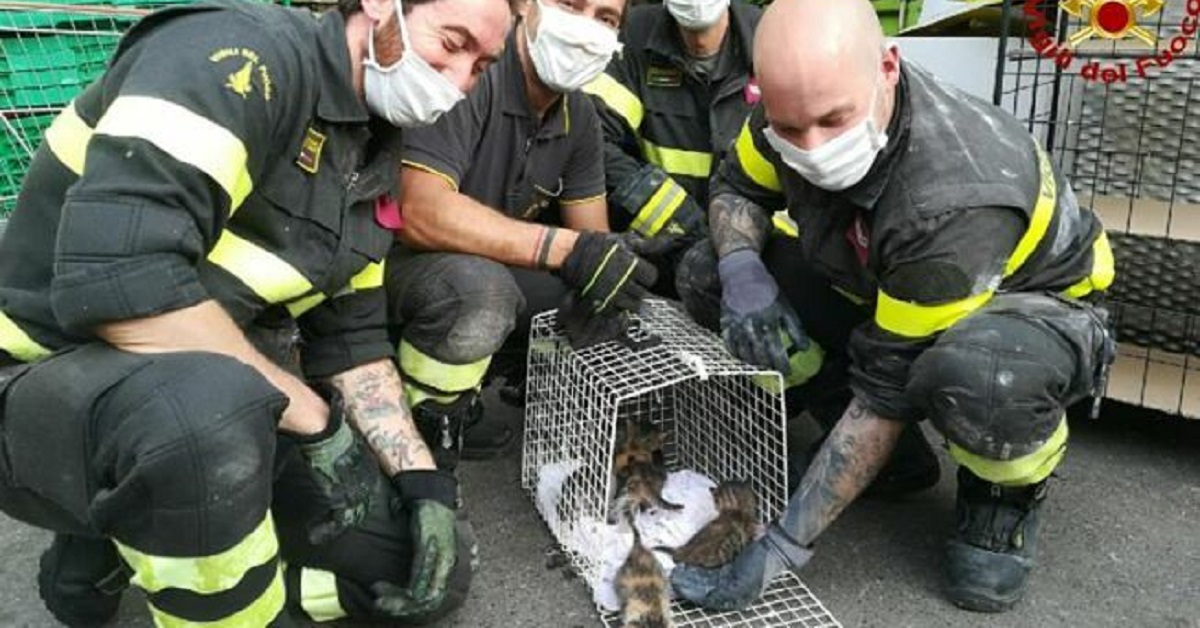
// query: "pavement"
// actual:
[[1120, 546]]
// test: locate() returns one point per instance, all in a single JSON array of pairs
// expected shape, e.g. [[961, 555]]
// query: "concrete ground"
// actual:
[[1120, 546]]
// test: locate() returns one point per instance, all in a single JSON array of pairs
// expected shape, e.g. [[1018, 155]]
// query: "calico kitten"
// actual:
[[721, 539], [641, 586], [639, 472]]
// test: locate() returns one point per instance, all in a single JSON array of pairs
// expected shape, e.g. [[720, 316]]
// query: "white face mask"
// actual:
[[697, 15], [570, 50], [410, 92], [840, 162]]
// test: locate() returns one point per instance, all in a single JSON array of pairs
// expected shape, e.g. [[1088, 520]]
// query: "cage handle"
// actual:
[[696, 362]]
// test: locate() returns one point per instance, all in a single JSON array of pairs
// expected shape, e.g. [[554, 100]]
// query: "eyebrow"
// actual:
[[473, 44]]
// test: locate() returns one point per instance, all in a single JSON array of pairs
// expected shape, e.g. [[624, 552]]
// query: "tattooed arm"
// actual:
[[375, 406], [737, 223], [850, 458]]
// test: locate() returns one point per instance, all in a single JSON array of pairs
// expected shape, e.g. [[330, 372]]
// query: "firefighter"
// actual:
[[222, 174], [503, 213], [672, 103], [938, 249]]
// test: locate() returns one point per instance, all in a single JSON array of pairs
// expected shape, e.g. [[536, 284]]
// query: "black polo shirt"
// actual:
[[493, 148]]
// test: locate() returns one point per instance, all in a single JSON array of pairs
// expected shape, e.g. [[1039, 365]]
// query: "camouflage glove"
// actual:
[[344, 469], [429, 498]]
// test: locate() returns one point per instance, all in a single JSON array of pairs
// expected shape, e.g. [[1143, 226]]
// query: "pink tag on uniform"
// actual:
[[752, 93], [387, 213]]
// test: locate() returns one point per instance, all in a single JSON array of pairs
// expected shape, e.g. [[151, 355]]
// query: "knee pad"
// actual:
[[190, 444], [997, 383], [699, 285], [465, 312]]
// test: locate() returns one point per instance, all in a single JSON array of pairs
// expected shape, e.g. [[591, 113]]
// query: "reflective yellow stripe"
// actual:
[[805, 364], [1103, 270], [68, 137], [319, 596], [203, 574], [298, 307], [618, 98], [259, 613], [1043, 211], [624, 278], [677, 160], [659, 208], [1028, 469], [184, 135], [262, 271], [760, 171], [784, 224], [914, 320], [17, 343], [369, 277], [449, 378]]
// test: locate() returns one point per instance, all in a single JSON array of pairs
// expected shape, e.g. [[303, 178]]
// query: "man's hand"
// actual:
[[429, 498], [736, 585], [344, 470], [606, 273], [754, 317]]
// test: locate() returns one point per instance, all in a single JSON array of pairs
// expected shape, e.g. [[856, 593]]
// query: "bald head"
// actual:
[[821, 64]]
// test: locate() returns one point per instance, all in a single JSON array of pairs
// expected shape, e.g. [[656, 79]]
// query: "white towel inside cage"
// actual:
[[610, 544]]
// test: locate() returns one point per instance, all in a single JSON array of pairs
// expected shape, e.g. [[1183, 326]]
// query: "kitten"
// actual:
[[639, 472], [723, 538], [641, 586]]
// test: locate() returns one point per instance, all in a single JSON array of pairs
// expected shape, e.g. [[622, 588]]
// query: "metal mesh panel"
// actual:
[[1131, 149], [722, 418], [48, 53]]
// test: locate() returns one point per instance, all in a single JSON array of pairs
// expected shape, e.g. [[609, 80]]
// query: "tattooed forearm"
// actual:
[[375, 407], [737, 223], [848, 461]]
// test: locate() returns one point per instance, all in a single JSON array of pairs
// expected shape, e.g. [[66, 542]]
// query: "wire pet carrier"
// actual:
[[1121, 117], [721, 418]]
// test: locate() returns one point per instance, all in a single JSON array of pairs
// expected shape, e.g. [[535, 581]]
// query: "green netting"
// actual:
[[49, 51]]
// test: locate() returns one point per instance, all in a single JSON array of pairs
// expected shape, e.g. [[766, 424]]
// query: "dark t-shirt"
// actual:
[[492, 147]]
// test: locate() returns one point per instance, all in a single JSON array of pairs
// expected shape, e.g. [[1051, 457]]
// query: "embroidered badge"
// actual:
[[310, 151], [659, 76], [248, 70]]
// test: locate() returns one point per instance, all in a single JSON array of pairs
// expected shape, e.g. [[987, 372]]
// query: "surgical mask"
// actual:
[[409, 93], [697, 15], [842, 161], [570, 50]]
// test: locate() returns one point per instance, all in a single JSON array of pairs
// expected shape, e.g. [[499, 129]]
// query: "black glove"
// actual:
[[754, 317], [429, 497], [659, 204], [345, 472], [606, 273]]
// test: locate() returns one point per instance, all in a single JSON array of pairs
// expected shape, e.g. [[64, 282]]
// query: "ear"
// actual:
[[890, 64], [378, 10]]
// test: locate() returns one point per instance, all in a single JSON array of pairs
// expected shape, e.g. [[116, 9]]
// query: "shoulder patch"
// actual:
[[246, 71], [663, 76], [309, 159]]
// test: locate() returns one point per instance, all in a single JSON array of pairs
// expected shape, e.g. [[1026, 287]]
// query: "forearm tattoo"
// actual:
[[848, 461], [737, 223], [375, 407]]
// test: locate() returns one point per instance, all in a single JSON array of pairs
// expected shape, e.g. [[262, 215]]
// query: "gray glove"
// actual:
[[754, 316], [738, 584]]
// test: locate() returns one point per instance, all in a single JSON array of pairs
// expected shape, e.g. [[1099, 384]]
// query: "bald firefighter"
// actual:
[[939, 253]]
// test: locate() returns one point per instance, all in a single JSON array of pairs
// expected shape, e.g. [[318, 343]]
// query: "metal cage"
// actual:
[[722, 418], [1122, 121]]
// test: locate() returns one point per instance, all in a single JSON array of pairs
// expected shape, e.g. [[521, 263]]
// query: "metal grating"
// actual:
[[722, 418], [786, 603], [1131, 149]]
